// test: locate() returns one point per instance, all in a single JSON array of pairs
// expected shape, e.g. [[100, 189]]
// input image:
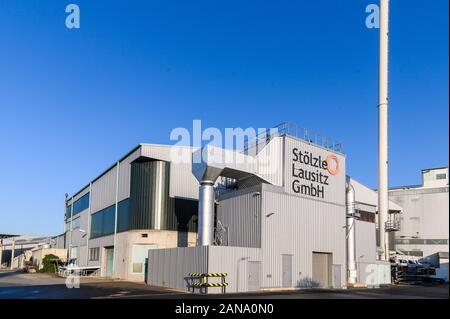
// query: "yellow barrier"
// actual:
[[203, 283]]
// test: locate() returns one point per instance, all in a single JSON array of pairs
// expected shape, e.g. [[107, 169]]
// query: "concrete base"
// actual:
[[357, 285]]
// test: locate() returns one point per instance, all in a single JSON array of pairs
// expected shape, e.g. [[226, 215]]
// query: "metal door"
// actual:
[[254, 275], [286, 266], [337, 269], [321, 270], [109, 261]]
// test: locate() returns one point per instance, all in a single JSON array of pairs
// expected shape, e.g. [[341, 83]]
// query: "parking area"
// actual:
[[43, 286]]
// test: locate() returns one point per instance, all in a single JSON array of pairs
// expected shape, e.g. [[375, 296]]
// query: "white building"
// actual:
[[424, 224]]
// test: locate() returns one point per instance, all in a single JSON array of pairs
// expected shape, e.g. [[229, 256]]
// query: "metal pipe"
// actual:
[[116, 213], [351, 235], [71, 229], [383, 207], [12, 252], [206, 213], [159, 194], [88, 231]]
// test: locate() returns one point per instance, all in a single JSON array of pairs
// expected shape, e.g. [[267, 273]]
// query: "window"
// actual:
[[94, 254], [68, 211], [366, 216], [81, 204], [123, 217], [102, 222], [76, 223], [441, 176]]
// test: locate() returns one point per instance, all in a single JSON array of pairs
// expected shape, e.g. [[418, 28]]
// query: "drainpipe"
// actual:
[[116, 212], [206, 213], [351, 235], [70, 232], [88, 230]]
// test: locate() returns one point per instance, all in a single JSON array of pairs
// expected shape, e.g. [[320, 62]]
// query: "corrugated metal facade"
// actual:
[[270, 161], [149, 194], [233, 261], [298, 226], [425, 216], [183, 183], [241, 217], [125, 174], [79, 195], [334, 192], [365, 241], [169, 267], [104, 191]]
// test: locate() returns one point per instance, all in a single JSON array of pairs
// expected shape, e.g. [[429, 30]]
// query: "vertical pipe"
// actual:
[[206, 213], [116, 212], [383, 128], [70, 232], [88, 230], [12, 252], [351, 235], [159, 184]]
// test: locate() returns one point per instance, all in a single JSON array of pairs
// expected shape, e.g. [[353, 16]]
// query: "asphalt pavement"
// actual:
[[19, 285]]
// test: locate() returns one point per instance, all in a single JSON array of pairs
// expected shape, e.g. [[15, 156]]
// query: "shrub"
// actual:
[[48, 264]]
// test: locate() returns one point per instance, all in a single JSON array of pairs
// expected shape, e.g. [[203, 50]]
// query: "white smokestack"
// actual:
[[383, 199]]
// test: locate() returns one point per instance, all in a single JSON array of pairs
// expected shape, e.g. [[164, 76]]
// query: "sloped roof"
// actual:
[[366, 195]]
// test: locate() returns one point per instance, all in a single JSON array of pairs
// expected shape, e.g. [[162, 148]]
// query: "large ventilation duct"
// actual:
[[383, 199], [351, 235], [208, 163], [206, 213]]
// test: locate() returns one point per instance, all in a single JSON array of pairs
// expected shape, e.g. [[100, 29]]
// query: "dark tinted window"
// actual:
[[81, 204], [102, 222], [123, 222], [68, 211]]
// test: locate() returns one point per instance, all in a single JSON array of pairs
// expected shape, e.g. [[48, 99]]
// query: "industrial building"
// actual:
[[274, 216], [144, 201], [14, 247], [424, 222]]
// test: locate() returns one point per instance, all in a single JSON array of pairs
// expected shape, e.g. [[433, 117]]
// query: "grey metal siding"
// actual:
[[104, 191], [241, 217], [145, 193], [334, 192], [365, 241], [298, 226], [169, 267], [270, 161], [183, 183], [125, 174], [233, 261], [79, 195]]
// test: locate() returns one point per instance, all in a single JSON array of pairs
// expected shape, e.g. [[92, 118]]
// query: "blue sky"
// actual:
[[74, 101]]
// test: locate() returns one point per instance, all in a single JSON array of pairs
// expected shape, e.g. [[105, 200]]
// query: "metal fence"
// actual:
[[296, 131]]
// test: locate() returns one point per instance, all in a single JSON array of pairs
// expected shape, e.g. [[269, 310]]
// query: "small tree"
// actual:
[[48, 263]]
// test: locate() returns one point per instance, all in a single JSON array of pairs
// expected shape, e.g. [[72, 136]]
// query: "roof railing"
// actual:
[[295, 130]]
